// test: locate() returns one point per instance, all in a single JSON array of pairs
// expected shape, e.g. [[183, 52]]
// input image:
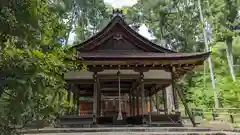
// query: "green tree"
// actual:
[[178, 23], [32, 62], [224, 17], [84, 18]]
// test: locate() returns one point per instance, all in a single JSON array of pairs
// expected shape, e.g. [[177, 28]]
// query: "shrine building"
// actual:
[[126, 74]]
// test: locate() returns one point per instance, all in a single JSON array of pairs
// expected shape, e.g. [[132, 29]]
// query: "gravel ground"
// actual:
[[142, 133], [129, 131]]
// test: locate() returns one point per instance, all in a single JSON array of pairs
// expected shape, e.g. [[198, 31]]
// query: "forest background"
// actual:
[[34, 37]]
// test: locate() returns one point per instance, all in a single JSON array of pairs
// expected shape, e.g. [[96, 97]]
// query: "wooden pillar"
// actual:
[[150, 102], [175, 99], [98, 98], [137, 100], [142, 94], [130, 104], [175, 95], [78, 102], [98, 102], [102, 107], [170, 100], [114, 104], [146, 103], [95, 93], [74, 103], [157, 102], [133, 105], [106, 105], [165, 103], [150, 110], [126, 102]]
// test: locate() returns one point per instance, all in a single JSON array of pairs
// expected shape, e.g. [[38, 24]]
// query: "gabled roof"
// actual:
[[119, 44], [117, 24]]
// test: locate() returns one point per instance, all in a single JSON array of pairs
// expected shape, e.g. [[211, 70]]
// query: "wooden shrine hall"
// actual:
[[124, 72]]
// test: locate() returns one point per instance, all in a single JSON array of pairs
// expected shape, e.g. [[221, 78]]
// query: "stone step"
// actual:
[[124, 129]]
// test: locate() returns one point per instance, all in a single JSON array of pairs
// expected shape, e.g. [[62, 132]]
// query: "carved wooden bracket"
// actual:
[[118, 37]]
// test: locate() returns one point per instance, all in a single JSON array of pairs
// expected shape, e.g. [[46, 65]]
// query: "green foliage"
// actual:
[[32, 63], [202, 91], [85, 18], [229, 92], [178, 22], [18, 18], [30, 80], [224, 16], [32, 58]]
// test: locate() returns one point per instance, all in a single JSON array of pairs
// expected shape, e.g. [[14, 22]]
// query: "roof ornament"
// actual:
[[118, 37], [117, 12]]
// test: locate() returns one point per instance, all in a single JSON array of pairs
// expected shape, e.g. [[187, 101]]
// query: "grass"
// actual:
[[222, 120]]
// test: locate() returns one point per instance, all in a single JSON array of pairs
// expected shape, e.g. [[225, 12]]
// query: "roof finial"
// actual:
[[117, 12]]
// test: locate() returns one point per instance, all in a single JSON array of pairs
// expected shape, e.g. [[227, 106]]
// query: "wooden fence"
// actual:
[[232, 113]]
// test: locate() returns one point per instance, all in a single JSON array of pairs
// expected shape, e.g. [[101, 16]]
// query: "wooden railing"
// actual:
[[232, 113]]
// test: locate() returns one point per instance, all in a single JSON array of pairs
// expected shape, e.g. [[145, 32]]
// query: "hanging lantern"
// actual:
[[119, 117]]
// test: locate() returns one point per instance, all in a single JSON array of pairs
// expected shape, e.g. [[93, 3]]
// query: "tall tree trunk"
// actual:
[[71, 27], [216, 100], [229, 41]]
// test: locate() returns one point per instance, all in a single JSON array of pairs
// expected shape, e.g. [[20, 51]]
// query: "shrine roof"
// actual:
[[118, 41], [140, 55], [118, 26]]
